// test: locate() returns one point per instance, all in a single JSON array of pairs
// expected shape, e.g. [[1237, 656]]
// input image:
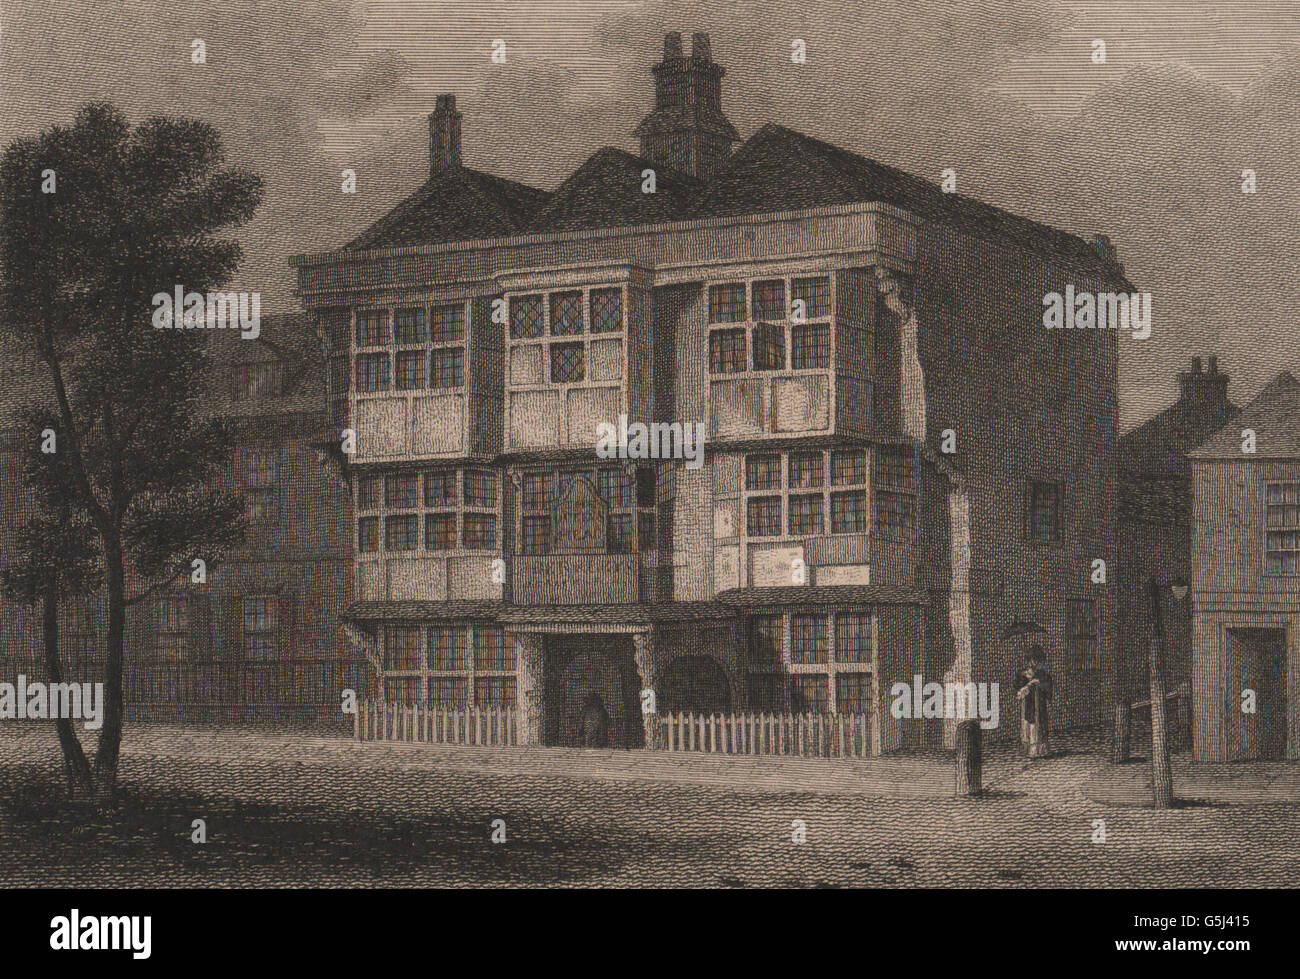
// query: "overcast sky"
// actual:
[[1147, 148]]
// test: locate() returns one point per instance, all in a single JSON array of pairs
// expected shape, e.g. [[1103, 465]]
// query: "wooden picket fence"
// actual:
[[429, 725], [809, 735]]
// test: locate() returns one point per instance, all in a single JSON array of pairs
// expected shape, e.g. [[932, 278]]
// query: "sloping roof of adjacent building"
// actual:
[[1274, 416], [455, 204], [776, 169], [1159, 446]]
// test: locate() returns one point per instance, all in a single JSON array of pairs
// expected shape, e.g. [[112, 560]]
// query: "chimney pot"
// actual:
[[700, 47], [1214, 364], [1196, 365], [672, 45]]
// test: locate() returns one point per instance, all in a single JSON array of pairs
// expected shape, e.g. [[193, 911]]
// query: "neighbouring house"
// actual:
[[900, 458], [260, 640], [1155, 520], [1246, 582]]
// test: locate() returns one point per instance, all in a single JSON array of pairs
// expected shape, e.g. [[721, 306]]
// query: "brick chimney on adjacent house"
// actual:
[[687, 130], [444, 135], [1206, 389]]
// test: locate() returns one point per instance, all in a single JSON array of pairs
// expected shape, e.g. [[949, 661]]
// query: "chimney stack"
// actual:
[[687, 130], [1204, 388], [444, 136]]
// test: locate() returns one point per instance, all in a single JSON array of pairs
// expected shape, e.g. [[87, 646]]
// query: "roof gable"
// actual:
[[456, 204], [606, 192], [1274, 417]]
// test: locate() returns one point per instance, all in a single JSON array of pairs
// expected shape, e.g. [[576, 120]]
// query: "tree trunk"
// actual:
[[1162, 780], [110, 737], [75, 765]]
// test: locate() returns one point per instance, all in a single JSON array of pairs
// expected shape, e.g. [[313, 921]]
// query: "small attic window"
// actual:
[[253, 382]]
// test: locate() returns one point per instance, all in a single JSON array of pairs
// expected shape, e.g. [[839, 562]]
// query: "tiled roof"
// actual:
[[776, 169], [606, 192], [456, 204], [1274, 416]]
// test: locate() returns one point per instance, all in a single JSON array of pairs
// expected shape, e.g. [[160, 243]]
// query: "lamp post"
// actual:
[[1162, 779]]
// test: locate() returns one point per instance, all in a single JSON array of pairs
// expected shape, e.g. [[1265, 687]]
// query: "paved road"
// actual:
[[320, 822]]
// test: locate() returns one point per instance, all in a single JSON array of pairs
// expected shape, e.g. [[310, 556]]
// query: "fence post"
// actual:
[[1123, 727], [969, 761]]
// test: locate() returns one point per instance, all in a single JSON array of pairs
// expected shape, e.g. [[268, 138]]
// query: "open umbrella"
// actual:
[[1019, 628]]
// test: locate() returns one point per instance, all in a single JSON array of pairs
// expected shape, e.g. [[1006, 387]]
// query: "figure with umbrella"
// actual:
[[1033, 690]]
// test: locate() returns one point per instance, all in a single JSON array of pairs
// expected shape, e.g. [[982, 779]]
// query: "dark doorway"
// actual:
[[591, 692], [1257, 662]]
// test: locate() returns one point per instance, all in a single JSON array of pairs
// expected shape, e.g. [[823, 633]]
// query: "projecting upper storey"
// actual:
[[689, 283]]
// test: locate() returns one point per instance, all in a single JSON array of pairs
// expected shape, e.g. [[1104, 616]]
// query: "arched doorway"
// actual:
[[694, 683], [591, 692]]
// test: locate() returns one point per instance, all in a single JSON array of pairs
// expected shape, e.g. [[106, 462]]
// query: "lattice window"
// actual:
[[566, 363], [448, 647], [372, 328], [727, 303], [175, 615], [447, 323], [401, 533], [727, 351], [372, 373], [769, 346], [494, 692], [767, 300], [526, 317], [446, 367], [809, 694], [805, 514], [408, 327], [763, 516], [410, 370], [261, 625], [368, 535], [1082, 633], [1282, 528], [853, 693], [808, 642], [852, 637], [566, 313], [403, 649], [1044, 510], [810, 346], [765, 639], [606, 310], [815, 293], [492, 650]]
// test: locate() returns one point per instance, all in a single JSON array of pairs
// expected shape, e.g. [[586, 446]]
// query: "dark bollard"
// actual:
[[1123, 725], [969, 759]]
